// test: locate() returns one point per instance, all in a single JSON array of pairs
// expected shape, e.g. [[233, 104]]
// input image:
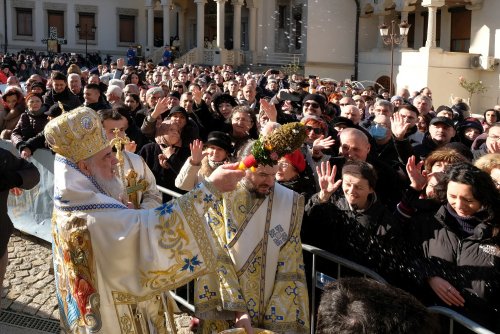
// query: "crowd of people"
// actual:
[[395, 183]]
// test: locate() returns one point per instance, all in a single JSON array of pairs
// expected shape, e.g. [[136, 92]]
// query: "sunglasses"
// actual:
[[178, 86], [311, 104], [316, 131]]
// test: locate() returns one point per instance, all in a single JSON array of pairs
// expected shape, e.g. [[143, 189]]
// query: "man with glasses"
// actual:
[[492, 144], [313, 105], [260, 279]]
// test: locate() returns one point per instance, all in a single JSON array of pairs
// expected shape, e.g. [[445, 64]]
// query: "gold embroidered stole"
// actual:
[[266, 227]]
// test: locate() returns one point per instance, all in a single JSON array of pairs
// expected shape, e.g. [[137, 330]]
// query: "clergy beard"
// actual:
[[249, 186], [113, 187]]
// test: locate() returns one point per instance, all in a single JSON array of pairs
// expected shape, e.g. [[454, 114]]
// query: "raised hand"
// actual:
[[323, 143], [197, 153], [418, 178], [399, 127], [446, 291], [326, 180], [226, 177], [160, 108], [269, 109]]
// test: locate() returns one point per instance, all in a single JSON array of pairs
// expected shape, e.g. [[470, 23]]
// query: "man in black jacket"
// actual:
[[15, 172], [60, 92]]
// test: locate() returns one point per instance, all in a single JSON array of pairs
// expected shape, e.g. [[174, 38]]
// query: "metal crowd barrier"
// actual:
[[457, 317], [318, 281]]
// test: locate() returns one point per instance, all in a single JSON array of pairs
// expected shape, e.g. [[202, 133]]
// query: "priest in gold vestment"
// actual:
[[113, 265], [259, 282]]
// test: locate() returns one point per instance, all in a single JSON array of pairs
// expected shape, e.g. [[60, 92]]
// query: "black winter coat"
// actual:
[[65, 97], [14, 172], [471, 263], [369, 237], [165, 177], [27, 129]]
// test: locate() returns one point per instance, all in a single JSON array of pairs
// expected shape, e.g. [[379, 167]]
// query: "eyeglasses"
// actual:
[[343, 104], [311, 104], [316, 131], [494, 138], [283, 164]]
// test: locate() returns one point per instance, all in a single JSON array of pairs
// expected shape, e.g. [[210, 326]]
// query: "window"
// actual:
[[281, 17], [56, 19], [127, 29], [460, 29], [24, 17], [86, 22]]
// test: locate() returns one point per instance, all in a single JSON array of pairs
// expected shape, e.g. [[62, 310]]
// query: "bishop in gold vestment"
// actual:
[[260, 269], [114, 266]]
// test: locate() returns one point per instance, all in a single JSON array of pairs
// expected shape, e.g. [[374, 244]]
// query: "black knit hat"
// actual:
[[220, 139], [317, 98], [176, 110]]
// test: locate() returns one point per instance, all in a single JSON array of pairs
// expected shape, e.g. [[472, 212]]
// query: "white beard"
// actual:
[[113, 187]]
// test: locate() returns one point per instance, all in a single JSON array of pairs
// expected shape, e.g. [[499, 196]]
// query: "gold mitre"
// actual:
[[76, 135]]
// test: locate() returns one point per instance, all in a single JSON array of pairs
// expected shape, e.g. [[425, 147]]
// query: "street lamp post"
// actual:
[[391, 38], [86, 33]]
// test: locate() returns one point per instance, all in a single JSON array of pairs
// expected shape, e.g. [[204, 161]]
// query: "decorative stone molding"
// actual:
[[86, 9], [127, 11], [55, 6], [433, 3], [475, 5], [23, 4]]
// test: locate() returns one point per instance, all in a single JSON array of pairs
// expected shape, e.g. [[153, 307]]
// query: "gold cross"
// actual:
[[134, 186]]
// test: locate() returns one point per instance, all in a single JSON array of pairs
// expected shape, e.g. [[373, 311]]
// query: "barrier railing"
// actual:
[[341, 262], [457, 317]]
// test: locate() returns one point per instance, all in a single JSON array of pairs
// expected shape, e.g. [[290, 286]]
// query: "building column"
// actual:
[[182, 27], [445, 42], [432, 6], [166, 21], [221, 4], [252, 28], [150, 29], [200, 23], [237, 24]]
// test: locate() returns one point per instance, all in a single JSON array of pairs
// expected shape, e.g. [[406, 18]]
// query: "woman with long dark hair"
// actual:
[[459, 246]]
